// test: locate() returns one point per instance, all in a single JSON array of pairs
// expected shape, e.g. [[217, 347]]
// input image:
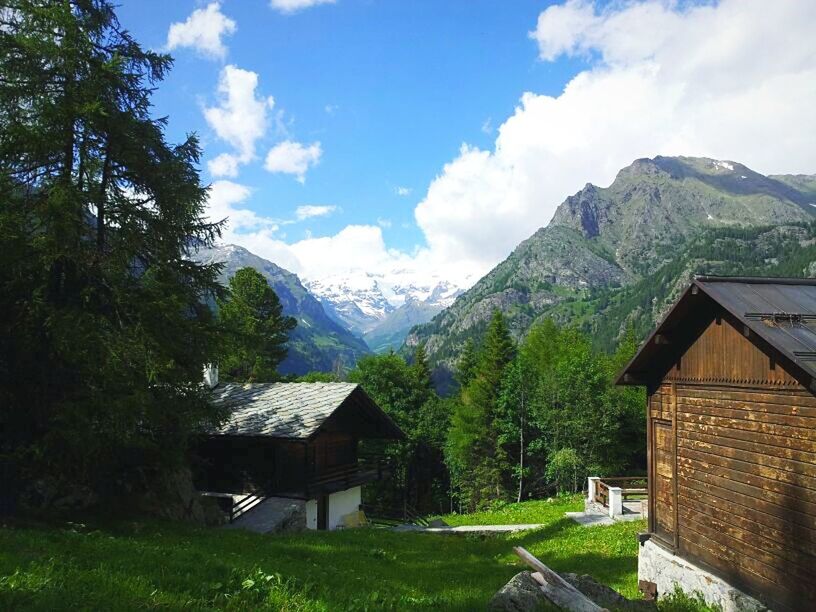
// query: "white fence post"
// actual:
[[592, 488], [615, 501]]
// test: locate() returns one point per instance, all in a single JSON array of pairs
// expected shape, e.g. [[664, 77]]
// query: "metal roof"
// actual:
[[781, 311], [288, 410]]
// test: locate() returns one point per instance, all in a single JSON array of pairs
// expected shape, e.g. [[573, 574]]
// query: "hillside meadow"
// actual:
[[130, 565]]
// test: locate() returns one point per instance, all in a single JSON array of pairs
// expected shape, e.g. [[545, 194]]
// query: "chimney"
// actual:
[[211, 375]]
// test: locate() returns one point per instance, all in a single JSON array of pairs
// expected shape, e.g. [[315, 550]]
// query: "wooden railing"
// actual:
[[631, 487], [602, 493]]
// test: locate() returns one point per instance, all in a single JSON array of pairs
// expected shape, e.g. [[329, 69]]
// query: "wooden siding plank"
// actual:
[[800, 541], [675, 465], [777, 492], [722, 430], [723, 561], [723, 354], [753, 402], [753, 559], [725, 410], [805, 437], [781, 458], [768, 395], [768, 515], [793, 510], [778, 555], [754, 472]]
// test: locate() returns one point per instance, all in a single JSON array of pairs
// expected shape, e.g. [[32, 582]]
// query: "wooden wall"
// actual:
[[732, 459], [237, 464]]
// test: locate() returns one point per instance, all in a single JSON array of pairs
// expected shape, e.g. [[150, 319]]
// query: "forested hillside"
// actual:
[[615, 256]]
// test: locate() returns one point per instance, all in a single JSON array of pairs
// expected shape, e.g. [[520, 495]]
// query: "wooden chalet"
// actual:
[[294, 440], [730, 375]]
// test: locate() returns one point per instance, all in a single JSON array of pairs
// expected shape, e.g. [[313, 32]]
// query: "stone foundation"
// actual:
[[656, 564]]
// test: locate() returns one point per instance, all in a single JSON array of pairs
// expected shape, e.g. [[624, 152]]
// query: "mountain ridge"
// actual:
[[609, 238]]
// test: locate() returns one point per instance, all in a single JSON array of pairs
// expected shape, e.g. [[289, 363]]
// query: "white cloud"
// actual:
[[240, 118], [224, 197], [402, 191], [289, 157], [292, 6], [310, 210], [225, 164], [203, 31], [384, 223], [665, 78]]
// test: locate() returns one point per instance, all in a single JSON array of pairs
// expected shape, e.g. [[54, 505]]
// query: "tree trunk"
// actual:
[[521, 448], [100, 205]]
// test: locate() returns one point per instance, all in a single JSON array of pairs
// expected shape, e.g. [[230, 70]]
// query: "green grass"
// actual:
[[530, 512], [163, 565]]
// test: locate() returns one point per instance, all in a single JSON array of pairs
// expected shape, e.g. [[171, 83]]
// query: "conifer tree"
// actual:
[[256, 329], [473, 439], [466, 365], [105, 326]]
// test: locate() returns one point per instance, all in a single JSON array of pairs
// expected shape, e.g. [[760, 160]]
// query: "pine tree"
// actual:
[[105, 326], [473, 444], [466, 366], [256, 328]]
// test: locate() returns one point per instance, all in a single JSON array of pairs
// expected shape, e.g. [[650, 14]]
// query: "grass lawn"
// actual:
[[163, 565]]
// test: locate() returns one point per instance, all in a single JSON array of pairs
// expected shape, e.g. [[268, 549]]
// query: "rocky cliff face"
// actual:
[[609, 239]]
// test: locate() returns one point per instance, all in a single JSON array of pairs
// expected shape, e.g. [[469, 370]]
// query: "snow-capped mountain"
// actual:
[[380, 311], [438, 293], [355, 301]]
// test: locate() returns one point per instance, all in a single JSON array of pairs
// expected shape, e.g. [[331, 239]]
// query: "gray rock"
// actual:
[[521, 594], [438, 523], [607, 597]]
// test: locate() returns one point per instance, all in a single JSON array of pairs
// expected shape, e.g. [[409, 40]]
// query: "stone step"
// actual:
[[273, 515]]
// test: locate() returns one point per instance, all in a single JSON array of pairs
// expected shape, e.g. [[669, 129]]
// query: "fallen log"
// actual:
[[557, 590]]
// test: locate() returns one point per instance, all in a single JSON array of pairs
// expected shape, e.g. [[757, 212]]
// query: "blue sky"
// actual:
[[390, 89], [374, 100]]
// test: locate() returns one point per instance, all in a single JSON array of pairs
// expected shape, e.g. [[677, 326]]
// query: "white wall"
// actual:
[[341, 503], [311, 514]]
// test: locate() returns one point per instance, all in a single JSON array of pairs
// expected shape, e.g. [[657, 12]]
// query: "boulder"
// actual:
[[607, 597], [521, 594]]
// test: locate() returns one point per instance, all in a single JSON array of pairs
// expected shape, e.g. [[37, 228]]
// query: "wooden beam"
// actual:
[[557, 590]]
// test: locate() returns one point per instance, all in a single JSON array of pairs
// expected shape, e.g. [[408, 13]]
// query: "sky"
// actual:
[[421, 140]]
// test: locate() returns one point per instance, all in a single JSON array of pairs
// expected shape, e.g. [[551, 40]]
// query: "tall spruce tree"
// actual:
[[105, 326], [256, 329], [473, 443], [466, 365]]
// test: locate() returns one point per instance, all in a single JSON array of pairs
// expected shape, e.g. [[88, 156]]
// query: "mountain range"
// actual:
[[319, 342], [380, 312], [615, 257]]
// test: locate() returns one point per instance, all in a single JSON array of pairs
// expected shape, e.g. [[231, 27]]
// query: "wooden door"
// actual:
[[663, 476], [323, 512]]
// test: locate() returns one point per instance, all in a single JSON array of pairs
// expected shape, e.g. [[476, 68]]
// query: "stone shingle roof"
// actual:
[[279, 410]]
